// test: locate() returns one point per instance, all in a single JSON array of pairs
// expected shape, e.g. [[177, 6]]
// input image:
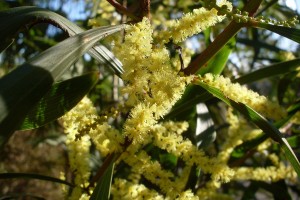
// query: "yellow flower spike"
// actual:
[[83, 120], [271, 173], [152, 85], [190, 24], [125, 190], [142, 163], [140, 121]]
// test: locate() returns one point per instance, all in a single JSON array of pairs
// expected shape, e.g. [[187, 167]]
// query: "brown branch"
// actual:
[[213, 48], [145, 8], [231, 30], [119, 7]]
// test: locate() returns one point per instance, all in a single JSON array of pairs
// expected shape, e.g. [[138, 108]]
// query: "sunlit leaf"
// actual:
[[218, 62], [102, 189], [22, 88], [15, 19], [62, 97]]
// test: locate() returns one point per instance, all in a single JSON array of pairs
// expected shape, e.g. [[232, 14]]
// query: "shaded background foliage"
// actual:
[[254, 49]]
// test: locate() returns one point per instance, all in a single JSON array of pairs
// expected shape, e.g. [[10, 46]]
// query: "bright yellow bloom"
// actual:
[[125, 190], [83, 120], [271, 173], [190, 24], [152, 85], [77, 142]]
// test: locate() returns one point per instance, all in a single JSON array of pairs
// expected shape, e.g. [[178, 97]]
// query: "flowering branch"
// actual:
[[231, 30]]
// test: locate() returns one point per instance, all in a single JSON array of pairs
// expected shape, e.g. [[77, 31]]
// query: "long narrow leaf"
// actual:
[[259, 120], [62, 97], [14, 19], [22, 88], [33, 176], [269, 71], [291, 33], [102, 190], [248, 145]]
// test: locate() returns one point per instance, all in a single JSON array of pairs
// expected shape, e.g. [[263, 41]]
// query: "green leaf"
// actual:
[[206, 137], [291, 33], [16, 19], [242, 149], [168, 160], [61, 98], [259, 120], [33, 176], [21, 89], [269, 71], [283, 85], [218, 62], [102, 190]]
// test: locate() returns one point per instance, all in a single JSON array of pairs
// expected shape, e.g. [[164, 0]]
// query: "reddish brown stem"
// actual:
[[123, 10], [231, 30], [145, 8]]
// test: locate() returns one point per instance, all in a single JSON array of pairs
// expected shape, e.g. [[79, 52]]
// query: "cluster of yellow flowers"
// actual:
[[192, 23], [106, 14], [82, 123], [152, 87], [81, 126]]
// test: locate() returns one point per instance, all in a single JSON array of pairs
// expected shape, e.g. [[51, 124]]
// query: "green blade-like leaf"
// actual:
[[22, 88], [61, 98], [259, 120], [71, 49], [291, 33], [102, 190], [14, 19], [218, 62], [241, 150], [33, 176], [269, 71]]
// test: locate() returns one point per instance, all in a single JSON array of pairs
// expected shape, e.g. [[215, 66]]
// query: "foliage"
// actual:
[[134, 129]]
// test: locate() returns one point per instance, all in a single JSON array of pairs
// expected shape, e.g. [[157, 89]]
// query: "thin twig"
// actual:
[[123, 10]]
